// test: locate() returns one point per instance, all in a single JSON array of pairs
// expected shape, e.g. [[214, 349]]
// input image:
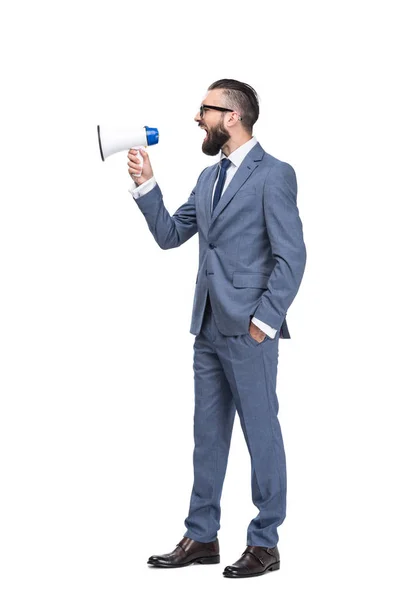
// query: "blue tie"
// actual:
[[225, 162]]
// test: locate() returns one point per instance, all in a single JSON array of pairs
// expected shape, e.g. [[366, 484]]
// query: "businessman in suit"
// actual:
[[252, 260]]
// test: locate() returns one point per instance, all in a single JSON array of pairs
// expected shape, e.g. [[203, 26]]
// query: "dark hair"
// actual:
[[241, 97]]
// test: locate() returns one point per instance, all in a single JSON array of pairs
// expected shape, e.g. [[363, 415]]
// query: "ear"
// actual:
[[239, 118]]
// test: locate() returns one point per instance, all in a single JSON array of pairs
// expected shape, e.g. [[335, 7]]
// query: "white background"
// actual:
[[96, 354]]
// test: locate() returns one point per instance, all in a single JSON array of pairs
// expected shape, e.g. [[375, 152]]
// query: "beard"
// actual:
[[215, 139]]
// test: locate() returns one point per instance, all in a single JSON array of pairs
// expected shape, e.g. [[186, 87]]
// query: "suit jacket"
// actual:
[[252, 254]]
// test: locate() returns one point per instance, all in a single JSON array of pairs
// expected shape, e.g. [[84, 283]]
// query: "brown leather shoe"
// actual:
[[255, 560], [187, 552]]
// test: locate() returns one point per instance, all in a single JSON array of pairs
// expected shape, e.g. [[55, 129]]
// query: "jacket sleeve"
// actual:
[[285, 232], [169, 231]]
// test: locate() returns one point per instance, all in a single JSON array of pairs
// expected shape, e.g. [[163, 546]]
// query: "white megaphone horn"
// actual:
[[117, 139]]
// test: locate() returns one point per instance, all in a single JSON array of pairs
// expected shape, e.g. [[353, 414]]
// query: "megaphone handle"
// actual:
[[139, 156]]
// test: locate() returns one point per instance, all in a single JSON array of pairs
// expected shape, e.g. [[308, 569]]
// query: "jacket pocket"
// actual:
[[256, 279]]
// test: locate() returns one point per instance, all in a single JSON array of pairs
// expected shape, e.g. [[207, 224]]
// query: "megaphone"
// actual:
[[117, 139]]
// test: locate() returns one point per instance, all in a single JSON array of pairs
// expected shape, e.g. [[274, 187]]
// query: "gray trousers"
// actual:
[[236, 373]]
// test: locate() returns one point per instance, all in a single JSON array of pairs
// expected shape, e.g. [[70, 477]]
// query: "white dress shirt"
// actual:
[[236, 157]]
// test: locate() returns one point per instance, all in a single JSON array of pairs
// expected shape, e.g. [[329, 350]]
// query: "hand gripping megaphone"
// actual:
[[117, 139]]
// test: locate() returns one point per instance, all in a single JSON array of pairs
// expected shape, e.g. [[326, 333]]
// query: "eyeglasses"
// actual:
[[220, 108]]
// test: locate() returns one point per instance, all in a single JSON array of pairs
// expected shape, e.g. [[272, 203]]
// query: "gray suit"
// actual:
[[252, 258]]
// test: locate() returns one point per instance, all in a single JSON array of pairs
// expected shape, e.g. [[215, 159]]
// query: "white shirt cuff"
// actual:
[[143, 188], [265, 328]]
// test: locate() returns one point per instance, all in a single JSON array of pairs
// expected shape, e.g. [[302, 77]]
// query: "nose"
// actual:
[[197, 117]]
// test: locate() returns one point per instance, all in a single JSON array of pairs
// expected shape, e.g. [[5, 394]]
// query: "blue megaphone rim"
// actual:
[[152, 135]]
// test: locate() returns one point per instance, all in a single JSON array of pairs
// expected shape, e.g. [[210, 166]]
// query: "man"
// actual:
[[252, 260]]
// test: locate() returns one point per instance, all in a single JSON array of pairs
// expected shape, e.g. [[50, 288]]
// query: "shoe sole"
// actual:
[[273, 567], [206, 560]]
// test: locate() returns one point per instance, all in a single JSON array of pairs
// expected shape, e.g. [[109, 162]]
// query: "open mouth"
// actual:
[[205, 129]]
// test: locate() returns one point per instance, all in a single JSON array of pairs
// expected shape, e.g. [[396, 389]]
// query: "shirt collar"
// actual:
[[238, 155]]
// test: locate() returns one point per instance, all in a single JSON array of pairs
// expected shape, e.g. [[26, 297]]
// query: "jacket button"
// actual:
[[212, 246]]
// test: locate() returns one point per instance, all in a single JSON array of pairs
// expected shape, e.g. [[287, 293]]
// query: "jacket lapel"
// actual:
[[246, 168], [208, 189]]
